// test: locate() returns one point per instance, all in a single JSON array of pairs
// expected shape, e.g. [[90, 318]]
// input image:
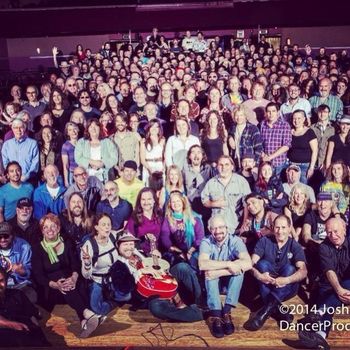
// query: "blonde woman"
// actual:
[[103, 90], [182, 231], [298, 207], [173, 182]]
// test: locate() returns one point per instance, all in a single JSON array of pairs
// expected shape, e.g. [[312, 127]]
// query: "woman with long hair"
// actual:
[[339, 144], [214, 138], [152, 150], [95, 267], [95, 153], [298, 206], [270, 188], [337, 183], [60, 109], [182, 231], [112, 105], [49, 152], [178, 145], [103, 90], [56, 271], [173, 182], [71, 133], [107, 124], [190, 95], [146, 220], [214, 103]]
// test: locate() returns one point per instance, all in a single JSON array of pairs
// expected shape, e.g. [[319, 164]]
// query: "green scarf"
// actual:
[[49, 248]]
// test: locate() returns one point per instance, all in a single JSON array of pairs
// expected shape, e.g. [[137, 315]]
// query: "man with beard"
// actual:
[[15, 257], [118, 209], [90, 187], [48, 198], [127, 141], [13, 191], [23, 224], [196, 173], [76, 221], [18, 318], [224, 193], [125, 96]]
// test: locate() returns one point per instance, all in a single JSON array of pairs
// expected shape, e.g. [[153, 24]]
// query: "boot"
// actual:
[[229, 327], [216, 326], [263, 314]]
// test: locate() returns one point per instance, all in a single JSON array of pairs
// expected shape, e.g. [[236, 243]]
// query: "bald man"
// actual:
[[334, 288]]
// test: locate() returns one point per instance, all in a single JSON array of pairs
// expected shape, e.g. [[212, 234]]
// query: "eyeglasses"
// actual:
[[71, 85], [50, 227], [5, 236], [80, 174]]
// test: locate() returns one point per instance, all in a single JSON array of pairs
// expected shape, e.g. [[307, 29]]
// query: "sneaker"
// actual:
[[89, 326], [229, 327], [215, 325], [312, 340]]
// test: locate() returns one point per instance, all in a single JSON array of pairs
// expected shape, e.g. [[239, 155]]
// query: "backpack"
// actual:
[[95, 250]]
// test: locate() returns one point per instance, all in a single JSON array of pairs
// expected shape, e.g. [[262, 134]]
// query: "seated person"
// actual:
[[222, 257], [17, 317], [259, 222], [118, 209], [298, 208], [146, 220], [279, 265], [15, 256], [56, 273], [182, 231], [293, 173]]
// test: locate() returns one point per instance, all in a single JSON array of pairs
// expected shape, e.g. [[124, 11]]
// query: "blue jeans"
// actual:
[[234, 285], [304, 167], [329, 299], [99, 304], [281, 294]]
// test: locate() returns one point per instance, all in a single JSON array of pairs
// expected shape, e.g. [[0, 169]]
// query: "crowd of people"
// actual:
[[219, 157]]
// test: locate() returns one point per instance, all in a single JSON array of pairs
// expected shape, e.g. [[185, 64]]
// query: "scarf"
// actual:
[[189, 229], [49, 248]]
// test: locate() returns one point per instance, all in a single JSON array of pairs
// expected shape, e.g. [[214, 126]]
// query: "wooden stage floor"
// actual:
[[127, 329]]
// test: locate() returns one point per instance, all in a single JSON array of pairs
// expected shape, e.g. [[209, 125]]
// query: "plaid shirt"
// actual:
[[333, 102], [275, 137]]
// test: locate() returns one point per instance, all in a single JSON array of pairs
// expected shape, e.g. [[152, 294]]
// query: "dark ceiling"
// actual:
[[173, 17]]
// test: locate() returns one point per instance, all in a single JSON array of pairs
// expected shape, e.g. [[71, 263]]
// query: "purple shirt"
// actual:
[[148, 226], [275, 137], [68, 150]]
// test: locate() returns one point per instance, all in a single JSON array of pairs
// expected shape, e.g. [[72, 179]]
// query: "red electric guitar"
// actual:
[[161, 283]]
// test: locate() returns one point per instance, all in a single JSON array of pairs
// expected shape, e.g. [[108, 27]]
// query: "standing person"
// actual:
[[223, 258], [279, 265], [95, 154], [90, 112], [224, 193], [277, 138], [178, 145], [244, 138], [60, 109], [71, 132], [339, 144], [234, 98], [214, 138], [34, 107], [14, 190], [22, 149], [56, 271], [325, 97], [152, 150], [304, 146]]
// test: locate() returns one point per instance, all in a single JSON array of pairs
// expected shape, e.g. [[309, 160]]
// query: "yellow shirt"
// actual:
[[129, 192]]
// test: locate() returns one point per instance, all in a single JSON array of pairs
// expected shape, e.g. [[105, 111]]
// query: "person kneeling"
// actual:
[[278, 265]]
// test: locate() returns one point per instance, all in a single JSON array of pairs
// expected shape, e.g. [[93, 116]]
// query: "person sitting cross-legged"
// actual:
[[278, 265]]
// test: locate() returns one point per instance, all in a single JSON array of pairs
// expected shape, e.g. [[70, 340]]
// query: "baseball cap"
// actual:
[[5, 228], [294, 167], [24, 202], [324, 196]]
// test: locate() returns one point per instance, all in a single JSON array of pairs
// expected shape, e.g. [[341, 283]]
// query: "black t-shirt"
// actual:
[[341, 150], [290, 253], [318, 226], [300, 151], [337, 260]]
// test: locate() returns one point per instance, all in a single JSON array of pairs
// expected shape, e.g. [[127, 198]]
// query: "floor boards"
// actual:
[[125, 328]]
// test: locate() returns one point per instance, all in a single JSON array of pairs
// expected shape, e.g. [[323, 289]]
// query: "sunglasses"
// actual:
[[5, 236]]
